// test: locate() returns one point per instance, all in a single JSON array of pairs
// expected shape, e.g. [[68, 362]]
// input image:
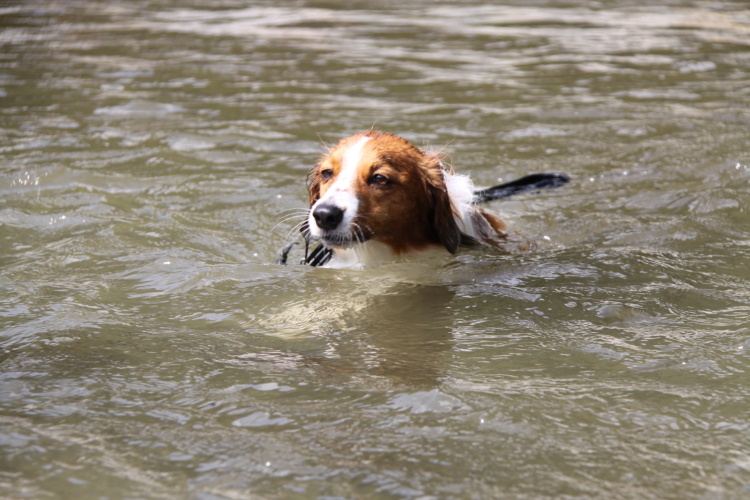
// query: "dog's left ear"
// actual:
[[443, 219], [313, 184]]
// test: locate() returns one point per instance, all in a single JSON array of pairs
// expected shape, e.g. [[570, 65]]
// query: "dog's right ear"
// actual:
[[443, 219], [313, 184]]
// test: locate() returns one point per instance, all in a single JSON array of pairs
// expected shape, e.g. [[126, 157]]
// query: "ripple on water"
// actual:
[[152, 163], [139, 109]]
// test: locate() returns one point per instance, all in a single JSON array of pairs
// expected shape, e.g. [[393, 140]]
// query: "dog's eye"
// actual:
[[326, 174], [380, 180]]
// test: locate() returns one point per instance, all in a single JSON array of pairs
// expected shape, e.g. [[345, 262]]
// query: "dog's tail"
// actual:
[[531, 182]]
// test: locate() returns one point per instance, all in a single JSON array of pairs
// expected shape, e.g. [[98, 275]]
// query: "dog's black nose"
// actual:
[[328, 216]]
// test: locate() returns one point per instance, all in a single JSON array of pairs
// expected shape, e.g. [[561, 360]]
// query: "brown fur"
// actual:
[[414, 211]]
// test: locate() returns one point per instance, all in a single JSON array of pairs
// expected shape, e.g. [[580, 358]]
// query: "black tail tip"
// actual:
[[524, 184]]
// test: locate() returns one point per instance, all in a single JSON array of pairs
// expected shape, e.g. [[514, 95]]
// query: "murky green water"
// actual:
[[150, 156]]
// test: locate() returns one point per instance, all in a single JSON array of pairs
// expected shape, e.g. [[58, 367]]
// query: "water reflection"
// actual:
[[404, 334], [401, 331]]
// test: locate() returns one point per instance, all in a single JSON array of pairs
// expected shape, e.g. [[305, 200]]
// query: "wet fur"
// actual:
[[413, 213]]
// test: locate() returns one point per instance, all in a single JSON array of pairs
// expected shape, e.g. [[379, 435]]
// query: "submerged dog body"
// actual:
[[375, 198]]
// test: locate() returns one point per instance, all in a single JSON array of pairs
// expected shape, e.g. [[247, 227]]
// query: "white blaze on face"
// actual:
[[342, 193]]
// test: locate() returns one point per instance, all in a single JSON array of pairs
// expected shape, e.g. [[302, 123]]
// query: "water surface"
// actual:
[[152, 164]]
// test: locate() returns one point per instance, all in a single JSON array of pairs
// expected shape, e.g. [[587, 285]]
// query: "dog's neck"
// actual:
[[362, 255], [373, 253]]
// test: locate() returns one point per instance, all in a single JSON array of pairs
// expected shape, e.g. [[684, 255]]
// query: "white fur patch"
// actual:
[[461, 193], [374, 253], [350, 162], [342, 194]]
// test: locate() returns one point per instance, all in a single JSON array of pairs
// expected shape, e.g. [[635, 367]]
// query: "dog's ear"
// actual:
[[443, 219], [313, 184]]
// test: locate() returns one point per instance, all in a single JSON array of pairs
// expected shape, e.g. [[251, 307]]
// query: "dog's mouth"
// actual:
[[343, 241], [340, 237]]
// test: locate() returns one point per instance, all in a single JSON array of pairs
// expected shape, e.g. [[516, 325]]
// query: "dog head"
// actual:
[[374, 186]]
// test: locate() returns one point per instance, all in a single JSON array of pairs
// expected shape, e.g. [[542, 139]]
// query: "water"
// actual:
[[153, 155]]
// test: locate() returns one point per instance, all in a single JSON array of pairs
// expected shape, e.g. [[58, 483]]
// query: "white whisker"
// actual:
[[357, 233], [297, 228], [290, 211], [287, 220]]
